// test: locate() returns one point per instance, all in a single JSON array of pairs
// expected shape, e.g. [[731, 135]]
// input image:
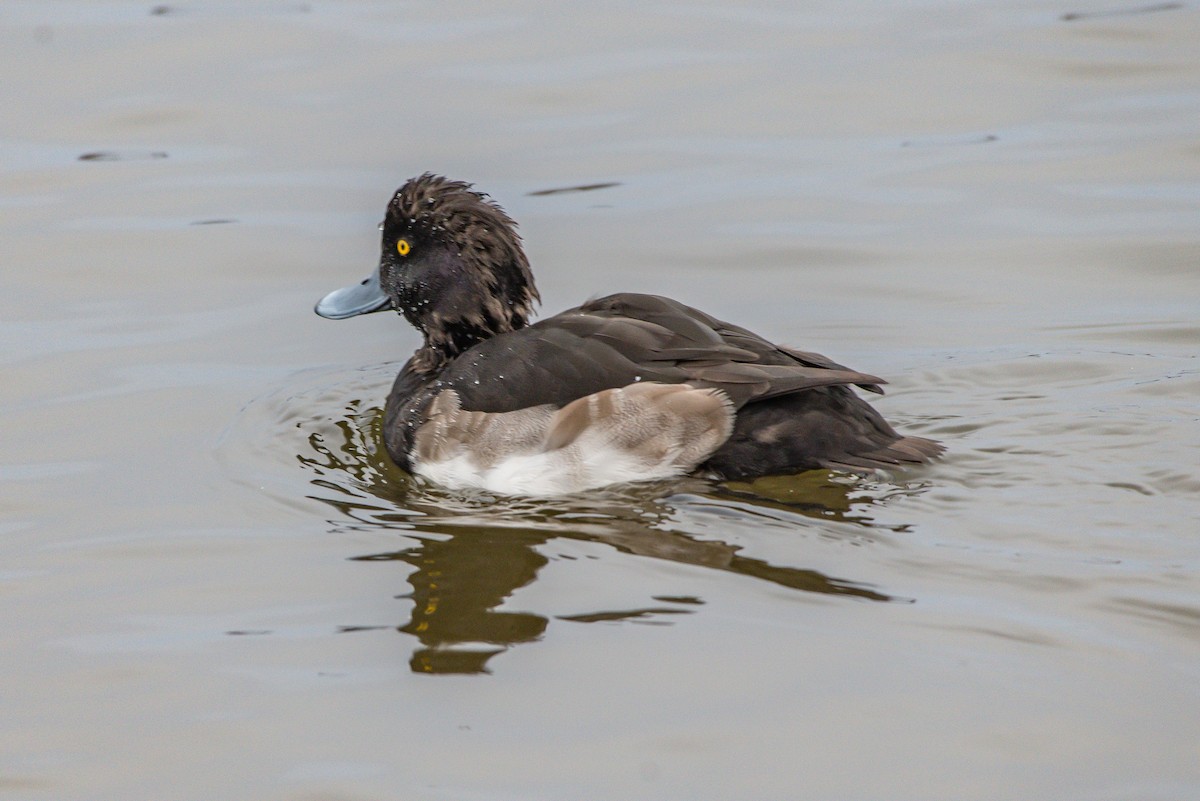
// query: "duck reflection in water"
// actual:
[[474, 552]]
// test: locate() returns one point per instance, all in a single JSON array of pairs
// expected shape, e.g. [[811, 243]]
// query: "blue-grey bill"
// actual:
[[362, 298]]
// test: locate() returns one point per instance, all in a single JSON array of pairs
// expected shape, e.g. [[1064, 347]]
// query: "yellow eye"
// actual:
[[402, 247]]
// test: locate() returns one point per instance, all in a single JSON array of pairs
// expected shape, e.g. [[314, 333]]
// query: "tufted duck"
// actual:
[[627, 387]]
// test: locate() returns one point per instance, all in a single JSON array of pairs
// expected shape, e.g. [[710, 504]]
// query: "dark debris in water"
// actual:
[[950, 141], [112, 155], [581, 188], [629, 614], [163, 10], [679, 599], [355, 629], [1072, 16], [217, 221]]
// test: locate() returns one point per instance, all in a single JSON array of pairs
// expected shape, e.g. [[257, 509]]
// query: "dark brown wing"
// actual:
[[626, 338]]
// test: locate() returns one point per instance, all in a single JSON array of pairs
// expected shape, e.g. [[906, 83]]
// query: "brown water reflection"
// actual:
[[456, 587], [474, 550]]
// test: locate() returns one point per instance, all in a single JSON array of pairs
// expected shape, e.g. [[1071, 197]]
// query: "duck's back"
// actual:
[[794, 410]]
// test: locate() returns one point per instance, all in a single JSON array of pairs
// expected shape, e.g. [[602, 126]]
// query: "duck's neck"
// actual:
[[445, 340]]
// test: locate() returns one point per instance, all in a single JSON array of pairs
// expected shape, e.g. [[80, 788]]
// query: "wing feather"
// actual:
[[622, 339]]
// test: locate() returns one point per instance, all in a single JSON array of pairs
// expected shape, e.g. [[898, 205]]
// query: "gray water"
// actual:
[[213, 586]]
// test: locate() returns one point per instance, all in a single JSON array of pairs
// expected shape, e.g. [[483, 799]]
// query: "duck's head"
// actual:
[[451, 262]]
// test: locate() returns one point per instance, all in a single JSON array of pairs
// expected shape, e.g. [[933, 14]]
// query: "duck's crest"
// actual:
[[482, 233]]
